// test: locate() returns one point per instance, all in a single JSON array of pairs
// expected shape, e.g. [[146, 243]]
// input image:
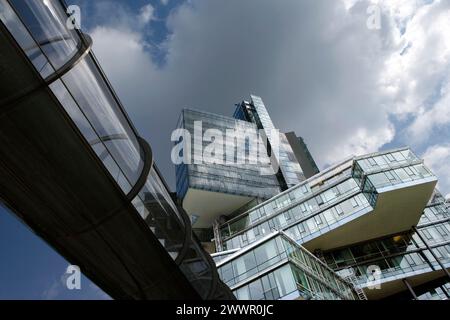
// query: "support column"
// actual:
[[444, 289], [410, 289], [431, 251]]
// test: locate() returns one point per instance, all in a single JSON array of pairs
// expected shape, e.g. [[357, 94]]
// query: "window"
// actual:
[[266, 254], [244, 237], [264, 228], [380, 160], [270, 287], [390, 157], [398, 156], [256, 290], [275, 205], [422, 170], [410, 261], [339, 210], [271, 223], [343, 257], [312, 204], [262, 212], [318, 220], [292, 196], [441, 230], [319, 200], [249, 263], [304, 188], [329, 216], [390, 175], [438, 253], [251, 235], [303, 207], [402, 174], [312, 225], [242, 293], [285, 280], [354, 202], [410, 172], [254, 216], [227, 273], [379, 179], [417, 259], [301, 228], [372, 162], [288, 215], [427, 234]]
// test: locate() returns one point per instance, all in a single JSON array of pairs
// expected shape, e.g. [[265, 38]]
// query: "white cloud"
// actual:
[[437, 157], [56, 288], [146, 14], [317, 66], [416, 76], [164, 2], [434, 117]]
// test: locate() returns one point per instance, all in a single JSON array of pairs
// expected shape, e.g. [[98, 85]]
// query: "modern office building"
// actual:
[[276, 267], [290, 172], [75, 170], [377, 213], [302, 154], [212, 189], [376, 220], [255, 163]]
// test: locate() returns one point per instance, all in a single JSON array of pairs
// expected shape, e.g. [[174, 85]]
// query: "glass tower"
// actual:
[[375, 221], [232, 185], [255, 111]]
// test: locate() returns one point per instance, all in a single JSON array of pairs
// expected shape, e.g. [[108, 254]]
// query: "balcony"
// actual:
[[348, 203], [252, 272]]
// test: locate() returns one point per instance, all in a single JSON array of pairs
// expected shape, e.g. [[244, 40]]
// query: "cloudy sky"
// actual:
[[323, 68]]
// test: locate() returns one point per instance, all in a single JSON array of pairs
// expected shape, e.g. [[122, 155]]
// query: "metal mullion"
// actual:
[[96, 133], [108, 84], [30, 33]]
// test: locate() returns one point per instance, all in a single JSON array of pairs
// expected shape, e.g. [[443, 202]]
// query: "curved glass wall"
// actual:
[[60, 56], [40, 29]]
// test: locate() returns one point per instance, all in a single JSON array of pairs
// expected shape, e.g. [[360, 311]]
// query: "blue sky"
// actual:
[[345, 88]]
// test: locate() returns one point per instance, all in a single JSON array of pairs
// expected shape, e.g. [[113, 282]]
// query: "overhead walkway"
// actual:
[[75, 170]]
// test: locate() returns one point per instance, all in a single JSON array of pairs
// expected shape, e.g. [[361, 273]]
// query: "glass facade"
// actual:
[[238, 175], [439, 293], [278, 268], [255, 112], [42, 32], [302, 154], [321, 202], [400, 254], [326, 201]]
